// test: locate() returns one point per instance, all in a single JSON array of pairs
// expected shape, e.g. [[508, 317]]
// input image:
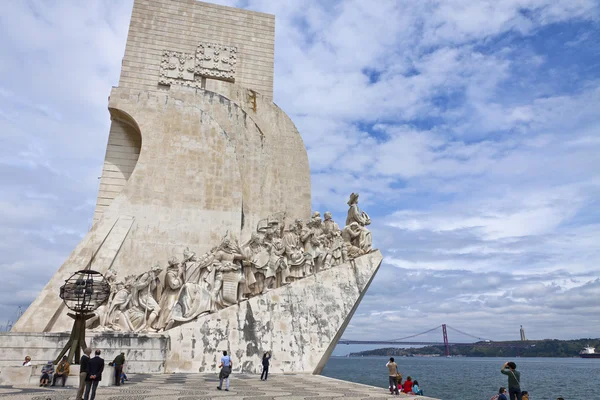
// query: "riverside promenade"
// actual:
[[204, 386]]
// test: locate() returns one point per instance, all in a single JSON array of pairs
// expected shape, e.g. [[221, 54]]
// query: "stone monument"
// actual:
[[203, 224]]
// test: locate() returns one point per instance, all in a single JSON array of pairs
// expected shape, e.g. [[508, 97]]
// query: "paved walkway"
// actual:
[[203, 386]]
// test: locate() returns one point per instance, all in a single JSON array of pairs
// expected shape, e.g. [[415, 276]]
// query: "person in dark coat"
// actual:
[[265, 364], [83, 369], [94, 376], [118, 364]]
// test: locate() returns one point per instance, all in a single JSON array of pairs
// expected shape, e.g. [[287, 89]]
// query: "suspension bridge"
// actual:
[[446, 343]]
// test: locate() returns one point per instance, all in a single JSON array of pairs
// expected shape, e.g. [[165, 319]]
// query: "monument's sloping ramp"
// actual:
[[97, 251], [300, 324]]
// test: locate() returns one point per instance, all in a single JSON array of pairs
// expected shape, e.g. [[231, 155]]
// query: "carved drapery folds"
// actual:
[[277, 254], [211, 60]]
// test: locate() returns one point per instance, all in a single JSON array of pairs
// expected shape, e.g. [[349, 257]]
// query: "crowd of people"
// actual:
[[90, 372], [396, 386]]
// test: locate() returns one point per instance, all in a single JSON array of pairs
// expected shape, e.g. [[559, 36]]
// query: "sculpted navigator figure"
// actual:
[[194, 298], [228, 275], [365, 241], [145, 306], [170, 293]]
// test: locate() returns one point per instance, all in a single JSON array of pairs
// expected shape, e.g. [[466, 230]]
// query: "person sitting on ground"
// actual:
[[392, 372], [408, 385], [27, 362], [62, 371], [416, 389], [502, 394], [47, 371]]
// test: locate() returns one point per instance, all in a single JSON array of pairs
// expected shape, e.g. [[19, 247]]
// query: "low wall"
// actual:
[[143, 353], [15, 376]]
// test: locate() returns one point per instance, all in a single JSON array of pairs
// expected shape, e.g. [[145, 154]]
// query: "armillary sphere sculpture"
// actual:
[[82, 293]]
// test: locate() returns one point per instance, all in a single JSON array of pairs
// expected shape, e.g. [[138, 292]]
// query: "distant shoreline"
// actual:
[[547, 348]]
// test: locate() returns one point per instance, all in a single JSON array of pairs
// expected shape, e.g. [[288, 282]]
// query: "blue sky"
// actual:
[[471, 130]]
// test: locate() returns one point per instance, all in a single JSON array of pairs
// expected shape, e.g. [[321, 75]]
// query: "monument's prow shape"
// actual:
[[204, 172]]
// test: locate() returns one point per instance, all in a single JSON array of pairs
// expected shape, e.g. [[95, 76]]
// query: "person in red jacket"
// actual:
[[408, 385]]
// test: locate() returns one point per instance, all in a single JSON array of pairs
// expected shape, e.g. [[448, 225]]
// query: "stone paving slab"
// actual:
[[204, 386]]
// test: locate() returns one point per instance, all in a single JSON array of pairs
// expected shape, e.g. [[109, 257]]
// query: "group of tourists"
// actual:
[[395, 381], [90, 372], [513, 392]]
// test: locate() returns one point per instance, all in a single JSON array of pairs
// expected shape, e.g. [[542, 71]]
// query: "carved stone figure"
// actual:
[[362, 219], [255, 265], [228, 275], [173, 283], [299, 263], [146, 308], [277, 263], [195, 298]]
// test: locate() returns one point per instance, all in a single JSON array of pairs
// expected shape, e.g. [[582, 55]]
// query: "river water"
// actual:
[[462, 378]]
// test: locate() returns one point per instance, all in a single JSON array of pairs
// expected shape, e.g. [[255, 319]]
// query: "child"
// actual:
[[416, 389], [408, 385]]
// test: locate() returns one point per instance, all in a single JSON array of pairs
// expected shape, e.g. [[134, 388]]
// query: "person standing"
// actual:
[[94, 376], [62, 371], [265, 364], [83, 370], [514, 380], [392, 372], [225, 371], [118, 364]]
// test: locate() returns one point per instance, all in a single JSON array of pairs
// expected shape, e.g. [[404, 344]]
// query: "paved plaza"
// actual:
[[204, 386]]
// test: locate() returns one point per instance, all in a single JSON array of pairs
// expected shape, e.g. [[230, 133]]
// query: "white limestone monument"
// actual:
[[203, 224]]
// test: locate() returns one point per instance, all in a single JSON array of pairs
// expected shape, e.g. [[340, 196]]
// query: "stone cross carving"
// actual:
[[277, 254], [211, 60]]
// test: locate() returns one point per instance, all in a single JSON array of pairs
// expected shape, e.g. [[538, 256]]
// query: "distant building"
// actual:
[[523, 338]]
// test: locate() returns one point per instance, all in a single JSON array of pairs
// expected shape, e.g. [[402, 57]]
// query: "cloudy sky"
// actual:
[[471, 130]]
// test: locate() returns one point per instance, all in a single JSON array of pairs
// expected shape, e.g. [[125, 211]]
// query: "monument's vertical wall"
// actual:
[[122, 153], [158, 25], [179, 25]]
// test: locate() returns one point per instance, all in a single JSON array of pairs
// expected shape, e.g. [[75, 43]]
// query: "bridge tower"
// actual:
[[446, 346]]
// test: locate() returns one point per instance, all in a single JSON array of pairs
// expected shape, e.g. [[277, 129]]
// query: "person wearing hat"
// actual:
[[62, 371], [47, 371]]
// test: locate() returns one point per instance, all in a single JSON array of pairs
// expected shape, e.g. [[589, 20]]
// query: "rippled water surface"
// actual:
[[478, 378]]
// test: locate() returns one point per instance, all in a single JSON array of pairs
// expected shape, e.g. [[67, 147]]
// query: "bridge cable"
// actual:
[[465, 333], [412, 336]]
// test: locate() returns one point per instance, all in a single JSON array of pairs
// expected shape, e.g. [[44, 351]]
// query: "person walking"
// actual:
[[392, 372], [118, 364], [62, 371], [225, 366], [265, 364], [94, 376], [83, 370], [514, 380]]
